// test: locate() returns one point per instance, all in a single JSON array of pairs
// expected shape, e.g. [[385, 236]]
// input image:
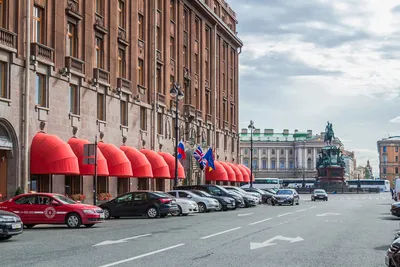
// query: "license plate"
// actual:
[[16, 226], [280, 200], [101, 215]]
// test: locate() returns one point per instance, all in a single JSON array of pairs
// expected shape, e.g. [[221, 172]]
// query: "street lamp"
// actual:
[[358, 185], [304, 179], [252, 128], [177, 94]]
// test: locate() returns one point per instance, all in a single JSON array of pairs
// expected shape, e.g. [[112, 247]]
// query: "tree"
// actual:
[[367, 173]]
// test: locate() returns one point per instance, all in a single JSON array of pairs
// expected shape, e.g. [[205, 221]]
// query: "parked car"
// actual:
[[270, 190], [137, 203], [225, 202], [392, 258], [205, 204], [266, 197], [50, 208], [286, 196], [238, 189], [249, 201], [395, 209], [214, 190], [186, 206], [10, 225], [319, 194]]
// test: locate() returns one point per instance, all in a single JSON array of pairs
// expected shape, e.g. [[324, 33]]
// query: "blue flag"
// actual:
[[210, 159]]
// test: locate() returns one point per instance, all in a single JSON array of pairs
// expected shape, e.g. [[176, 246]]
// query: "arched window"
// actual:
[[309, 165]]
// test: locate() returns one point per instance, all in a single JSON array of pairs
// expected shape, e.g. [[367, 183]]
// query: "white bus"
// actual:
[[384, 185], [264, 183]]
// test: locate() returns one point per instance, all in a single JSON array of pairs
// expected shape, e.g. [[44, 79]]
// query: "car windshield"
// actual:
[[64, 200], [160, 194], [319, 191], [284, 192], [202, 194]]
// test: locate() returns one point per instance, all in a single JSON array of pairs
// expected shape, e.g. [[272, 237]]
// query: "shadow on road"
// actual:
[[382, 248], [390, 218]]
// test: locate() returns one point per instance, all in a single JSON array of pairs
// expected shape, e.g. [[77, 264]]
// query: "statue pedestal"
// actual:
[[331, 175], [330, 166]]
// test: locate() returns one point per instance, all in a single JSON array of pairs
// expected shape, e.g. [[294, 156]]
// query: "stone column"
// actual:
[[287, 158], [314, 155]]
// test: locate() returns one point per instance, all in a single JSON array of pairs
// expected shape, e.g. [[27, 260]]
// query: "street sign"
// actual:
[[89, 161], [89, 150]]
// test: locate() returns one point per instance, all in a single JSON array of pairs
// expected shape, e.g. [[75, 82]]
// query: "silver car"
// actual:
[[205, 204], [238, 189]]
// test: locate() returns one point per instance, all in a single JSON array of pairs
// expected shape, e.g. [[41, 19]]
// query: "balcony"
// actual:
[[199, 114], [75, 64], [189, 110], [161, 98], [8, 38], [209, 118], [123, 83], [73, 9], [122, 36], [99, 24], [159, 56], [101, 75], [42, 52]]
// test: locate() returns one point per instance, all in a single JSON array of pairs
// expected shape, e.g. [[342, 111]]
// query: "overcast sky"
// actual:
[[305, 62]]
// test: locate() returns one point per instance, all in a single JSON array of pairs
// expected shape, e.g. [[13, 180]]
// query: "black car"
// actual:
[[392, 258], [319, 194], [10, 225], [226, 202], [137, 203], [214, 190], [249, 200], [266, 196], [286, 196]]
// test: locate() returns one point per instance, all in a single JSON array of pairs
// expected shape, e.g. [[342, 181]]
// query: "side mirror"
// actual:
[[55, 203]]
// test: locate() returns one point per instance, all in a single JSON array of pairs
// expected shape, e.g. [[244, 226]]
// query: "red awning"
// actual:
[[117, 162], [231, 173], [238, 173], [141, 167], [248, 171], [246, 176], [170, 160], [86, 169], [51, 155], [219, 174], [158, 165]]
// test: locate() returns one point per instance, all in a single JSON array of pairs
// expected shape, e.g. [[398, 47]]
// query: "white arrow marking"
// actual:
[[112, 242], [278, 237], [327, 214], [245, 214]]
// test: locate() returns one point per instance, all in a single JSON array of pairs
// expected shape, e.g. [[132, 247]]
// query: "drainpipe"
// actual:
[[25, 179], [155, 80], [215, 90]]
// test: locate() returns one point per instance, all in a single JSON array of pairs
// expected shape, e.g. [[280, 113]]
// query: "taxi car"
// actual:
[[50, 208]]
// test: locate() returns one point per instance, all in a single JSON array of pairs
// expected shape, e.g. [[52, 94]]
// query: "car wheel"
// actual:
[[89, 225], [269, 201], [5, 237], [219, 208], [152, 213], [202, 207], [29, 226], [107, 213], [177, 212], [73, 220]]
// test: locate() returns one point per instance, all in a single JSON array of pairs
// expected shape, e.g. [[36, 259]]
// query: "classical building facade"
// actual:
[[105, 68], [282, 155], [389, 164], [351, 163]]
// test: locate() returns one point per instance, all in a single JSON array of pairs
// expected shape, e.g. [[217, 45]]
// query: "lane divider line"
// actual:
[[245, 214], [301, 210], [284, 214], [257, 222], [220, 233], [142, 256]]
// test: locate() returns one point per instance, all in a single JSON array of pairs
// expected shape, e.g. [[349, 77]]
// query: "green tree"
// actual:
[[367, 174]]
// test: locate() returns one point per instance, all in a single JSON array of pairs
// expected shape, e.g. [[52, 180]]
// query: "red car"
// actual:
[[49, 208]]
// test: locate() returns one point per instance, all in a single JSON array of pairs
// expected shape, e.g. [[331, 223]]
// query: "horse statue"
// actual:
[[329, 134]]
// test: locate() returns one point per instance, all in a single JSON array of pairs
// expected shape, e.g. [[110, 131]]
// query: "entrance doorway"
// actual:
[[8, 153]]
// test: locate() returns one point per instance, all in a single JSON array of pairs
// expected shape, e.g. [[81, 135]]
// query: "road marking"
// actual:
[[301, 210], [112, 242], [278, 237], [245, 214], [281, 215], [327, 214], [142, 256], [260, 221], [220, 233], [313, 207]]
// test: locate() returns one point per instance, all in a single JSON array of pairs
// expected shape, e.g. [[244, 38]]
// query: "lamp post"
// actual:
[[304, 179], [358, 185], [177, 94], [251, 127]]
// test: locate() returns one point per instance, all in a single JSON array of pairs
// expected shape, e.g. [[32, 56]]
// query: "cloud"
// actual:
[[395, 120]]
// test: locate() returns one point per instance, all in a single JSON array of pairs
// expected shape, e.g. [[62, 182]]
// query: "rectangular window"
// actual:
[[273, 164], [121, 14], [264, 164], [246, 162], [232, 115], [124, 113], [291, 152], [217, 141], [207, 70], [291, 165], [172, 9], [397, 158], [186, 56], [208, 37], [101, 111], [73, 185], [73, 99], [38, 31], [160, 123], [140, 27], [160, 88], [196, 63], [255, 164], [102, 184], [208, 103], [397, 149], [246, 151], [186, 19], [121, 63], [99, 53], [309, 150], [99, 6], [172, 47], [160, 5], [159, 33], [3, 80], [140, 72], [197, 29], [233, 144], [72, 42], [224, 110], [143, 116], [3, 14], [384, 159], [41, 90], [225, 142], [384, 170], [384, 149], [281, 164]]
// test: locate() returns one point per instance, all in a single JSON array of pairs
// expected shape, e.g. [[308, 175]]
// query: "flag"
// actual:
[[199, 156], [181, 150], [210, 159]]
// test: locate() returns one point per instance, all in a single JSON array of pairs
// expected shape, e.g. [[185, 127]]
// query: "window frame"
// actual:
[[143, 118], [124, 112], [121, 59], [99, 52], [77, 99], [103, 114], [44, 90], [121, 15], [72, 39], [140, 72], [4, 74], [38, 19]]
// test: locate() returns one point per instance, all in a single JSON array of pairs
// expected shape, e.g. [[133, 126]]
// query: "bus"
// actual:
[[384, 185], [298, 182], [264, 183]]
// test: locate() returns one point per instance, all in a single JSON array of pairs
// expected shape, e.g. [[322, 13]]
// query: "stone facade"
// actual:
[[389, 163], [114, 63]]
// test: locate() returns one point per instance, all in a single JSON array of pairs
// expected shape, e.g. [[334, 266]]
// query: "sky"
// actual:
[[306, 62]]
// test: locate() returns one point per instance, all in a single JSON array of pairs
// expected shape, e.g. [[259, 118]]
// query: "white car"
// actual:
[[205, 204], [186, 207]]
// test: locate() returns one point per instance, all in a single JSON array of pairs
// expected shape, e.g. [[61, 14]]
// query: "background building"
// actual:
[[105, 68], [283, 155], [388, 150], [350, 161]]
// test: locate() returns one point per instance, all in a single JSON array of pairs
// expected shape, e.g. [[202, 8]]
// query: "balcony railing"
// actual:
[[209, 118], [42, 51], [226, 124], [189, 110], [8, 38], [101, 75], [75, 64], [161, 98], [199, 114]]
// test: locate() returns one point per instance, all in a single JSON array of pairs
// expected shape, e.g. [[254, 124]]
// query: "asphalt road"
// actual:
[[348, 230]]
